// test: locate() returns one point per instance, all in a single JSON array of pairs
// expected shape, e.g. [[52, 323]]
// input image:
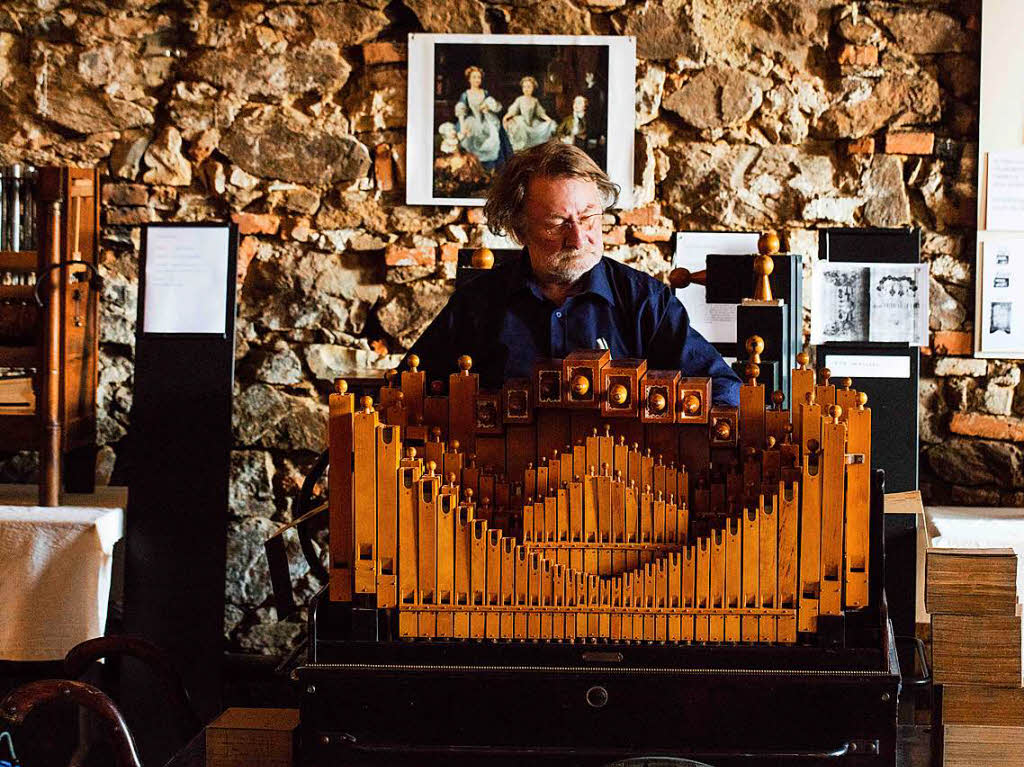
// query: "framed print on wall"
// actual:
[[476, 100]]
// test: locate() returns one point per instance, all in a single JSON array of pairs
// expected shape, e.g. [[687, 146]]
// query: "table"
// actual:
[[55, 571]]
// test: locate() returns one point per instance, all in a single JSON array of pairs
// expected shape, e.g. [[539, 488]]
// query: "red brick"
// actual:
[[649, 215], [246, 251], [384, 53], [987, 426], [859, 56], [864, 145], [651, 233], [397, 255], [256, 223], [957, 343], [616, 235], [476, 216], [909, 143], [450, 252]]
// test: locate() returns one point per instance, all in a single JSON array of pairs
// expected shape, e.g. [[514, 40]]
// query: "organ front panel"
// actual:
[[600, 500]]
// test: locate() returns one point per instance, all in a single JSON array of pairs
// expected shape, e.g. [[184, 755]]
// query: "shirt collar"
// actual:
[[595, 281]]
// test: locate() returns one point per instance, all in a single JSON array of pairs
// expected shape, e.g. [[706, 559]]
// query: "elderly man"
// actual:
[[563, 294]]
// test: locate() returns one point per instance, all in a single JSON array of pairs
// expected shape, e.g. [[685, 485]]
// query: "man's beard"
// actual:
[[568, 265]]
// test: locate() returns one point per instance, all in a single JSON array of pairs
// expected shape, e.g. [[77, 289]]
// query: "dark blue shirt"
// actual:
[[503, 321]]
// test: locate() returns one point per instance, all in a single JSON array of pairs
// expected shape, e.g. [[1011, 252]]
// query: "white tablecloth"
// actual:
[[55, 566]]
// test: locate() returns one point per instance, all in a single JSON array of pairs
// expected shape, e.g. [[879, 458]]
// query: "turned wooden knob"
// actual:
[[691, 403], [752, 371], [682, 278], [778, 398], [862, 400], [768, 243], [723, 430], [410, 453], [341, 386], [413, 361], [465, 363], [580, 385], [847, 384], [483, 258], [825, 375], [367, 403], [431, 466], [755, 348], [618, 394], [656, 402], [835, 411], [802, 358]]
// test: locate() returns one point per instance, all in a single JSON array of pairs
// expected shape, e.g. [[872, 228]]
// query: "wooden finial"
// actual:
[[454, 446], [825, 375], [468, 493], [862, 400], [465, 363], [435, 433], [752, 371], [410, 453], [451, 478], [802, 358], [835, 412], [755, 347], [367, 403], [389, 377], [431, 466], [787, 431], [483, 258], [847, 384], [341, 386], [768, 243], [771, 442], [607, 430], [778, 398], [413, 361], [764, 265]]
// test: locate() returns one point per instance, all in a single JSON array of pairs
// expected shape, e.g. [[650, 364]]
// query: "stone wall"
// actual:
[[798, 114]]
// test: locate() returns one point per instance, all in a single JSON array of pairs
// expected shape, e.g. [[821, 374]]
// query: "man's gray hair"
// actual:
[[507, 199]]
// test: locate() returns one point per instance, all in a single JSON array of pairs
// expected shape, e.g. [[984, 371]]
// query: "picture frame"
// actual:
[[476, 100], [999, 299]]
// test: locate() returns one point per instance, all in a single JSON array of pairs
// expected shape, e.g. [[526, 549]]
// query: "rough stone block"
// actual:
[[863, 145], [953, 342], [858, 56], [125, 194], [908, 142], [475, 216], [649, 215], [398, 255], [615, 235], [256, 223], [450, 252], [651, 233], [958, 366], [987, 426], [384, 53]]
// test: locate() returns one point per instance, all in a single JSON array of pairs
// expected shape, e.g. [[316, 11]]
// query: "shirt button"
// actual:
[[558, 314]]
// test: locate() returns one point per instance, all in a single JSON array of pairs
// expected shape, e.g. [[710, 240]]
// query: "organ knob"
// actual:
[[389, 377], [691, 403], [580, 385], [825, 375], [656, 402], [755, 348], [752, 371], [802, 358], [847, 384], [341, 386], [465, 363], [483, 258], [723, 430], [618, 394], [682, 278], [413, 361], [778, 398], [764, 265], [835, 412], [862, 400], [367, 403]]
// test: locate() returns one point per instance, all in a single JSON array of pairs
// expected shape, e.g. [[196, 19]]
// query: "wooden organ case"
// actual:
[[597, 564], [49, 335]]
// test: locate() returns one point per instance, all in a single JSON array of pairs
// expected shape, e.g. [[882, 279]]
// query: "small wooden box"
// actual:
[[253, 737], [547, 382], [488, 412], [693, 400], [581, 377], [723, 423], [517, 401], [661, 384], [620, 384]]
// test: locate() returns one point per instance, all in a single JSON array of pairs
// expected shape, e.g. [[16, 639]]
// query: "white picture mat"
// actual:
[[420, 129], [716, 322], [1004, 178], [1000, 121], [1000, 276], [868, 365], [186, 279]]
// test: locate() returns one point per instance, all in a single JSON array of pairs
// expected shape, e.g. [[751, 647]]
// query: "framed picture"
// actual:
[[476, 100], [999, 303]]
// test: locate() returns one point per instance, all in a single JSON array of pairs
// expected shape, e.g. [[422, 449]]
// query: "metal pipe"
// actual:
[[50, 479]]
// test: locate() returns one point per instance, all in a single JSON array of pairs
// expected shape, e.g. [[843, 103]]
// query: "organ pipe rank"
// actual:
[[601, 501]]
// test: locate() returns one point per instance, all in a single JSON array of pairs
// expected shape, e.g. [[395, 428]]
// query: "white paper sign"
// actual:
[[1002, 295], [186, 279], [1004, 210], [716, 322], [867, 366]]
